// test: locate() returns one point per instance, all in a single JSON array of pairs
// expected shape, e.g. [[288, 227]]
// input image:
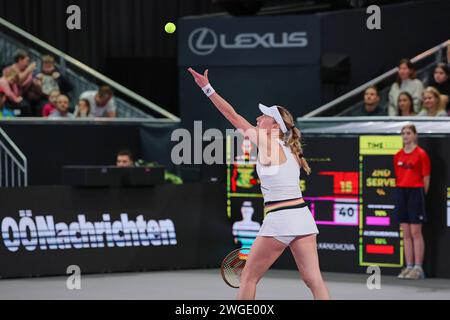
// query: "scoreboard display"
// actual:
[[350, 193], [380, 237]]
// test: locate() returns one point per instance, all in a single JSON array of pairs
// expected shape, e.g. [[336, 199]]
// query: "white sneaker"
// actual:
[[404, 272], [415, 274]]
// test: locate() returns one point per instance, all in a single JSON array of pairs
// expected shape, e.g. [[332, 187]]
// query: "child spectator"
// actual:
[[406, 81], [83, 109], [9, 83], [432, 103], [51, 105], [62, 108], [405, 105], [51, 79]]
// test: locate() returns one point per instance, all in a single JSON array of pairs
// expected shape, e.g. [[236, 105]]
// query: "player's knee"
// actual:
[[407, 236], [416, 234]]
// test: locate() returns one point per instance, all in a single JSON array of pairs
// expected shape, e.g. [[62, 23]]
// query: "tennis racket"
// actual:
[[231, 268]]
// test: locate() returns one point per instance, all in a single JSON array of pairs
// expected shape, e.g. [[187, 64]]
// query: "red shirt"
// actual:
[[48, 108], [411, 168]]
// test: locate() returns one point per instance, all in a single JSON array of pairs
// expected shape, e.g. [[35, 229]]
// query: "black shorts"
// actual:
[[410, 205]]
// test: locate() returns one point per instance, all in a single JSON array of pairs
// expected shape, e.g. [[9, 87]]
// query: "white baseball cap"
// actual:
[[274, 113]]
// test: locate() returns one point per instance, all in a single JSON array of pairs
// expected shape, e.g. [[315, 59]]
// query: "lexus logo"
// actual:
[[202, 41]]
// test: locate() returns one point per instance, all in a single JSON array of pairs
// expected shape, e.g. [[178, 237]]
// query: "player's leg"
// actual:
[[304, 250], [264, 252], [402, 195], [408, 243], [418, 243], [417, 215]]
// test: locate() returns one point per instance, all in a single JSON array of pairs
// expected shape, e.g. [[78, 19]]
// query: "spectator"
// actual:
[[432, 103], [406, 81], [29, 87], [51, 105], [9, 83], [51, 79], [371, 105], [124, 159], [5, 112], [405, 105], [24, 69], [62, 108], [441, 81], [83, 109], [102, 102]]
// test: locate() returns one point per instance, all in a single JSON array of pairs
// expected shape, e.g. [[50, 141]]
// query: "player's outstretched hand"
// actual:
[[201, 80]]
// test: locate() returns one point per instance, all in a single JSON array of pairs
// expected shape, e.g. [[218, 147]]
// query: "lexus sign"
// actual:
[[203, 41], [249, 41]]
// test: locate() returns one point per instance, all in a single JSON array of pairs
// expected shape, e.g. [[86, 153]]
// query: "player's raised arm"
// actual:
[[224, 107]]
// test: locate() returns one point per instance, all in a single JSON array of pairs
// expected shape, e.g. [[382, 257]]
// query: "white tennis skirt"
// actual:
[[289, 222]]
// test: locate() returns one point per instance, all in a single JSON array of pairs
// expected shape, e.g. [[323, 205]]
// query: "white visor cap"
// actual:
[[274, 113]]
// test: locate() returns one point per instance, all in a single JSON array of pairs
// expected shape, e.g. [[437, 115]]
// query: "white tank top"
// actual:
[[280, 182]]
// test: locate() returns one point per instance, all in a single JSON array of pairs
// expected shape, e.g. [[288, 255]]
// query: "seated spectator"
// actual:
[[406, 81], [62, 108], [9, 83], [29, 87], [405, 105], [124, 159], [83, 109], [51, 105], [5, 112], [51, 79], [23, 67], [432, 103], [371, 105], [102, 102], [441, 81]]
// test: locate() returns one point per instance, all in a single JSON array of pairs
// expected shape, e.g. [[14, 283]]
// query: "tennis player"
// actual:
[[288, 221], [412, 171]]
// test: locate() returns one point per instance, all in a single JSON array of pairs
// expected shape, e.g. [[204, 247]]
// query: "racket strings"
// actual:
[[233, 266]]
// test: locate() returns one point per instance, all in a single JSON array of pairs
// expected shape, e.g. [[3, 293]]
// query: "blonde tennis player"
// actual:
[[288, 221]]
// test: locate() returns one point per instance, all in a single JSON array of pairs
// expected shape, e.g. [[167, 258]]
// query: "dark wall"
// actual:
[[110, 28], [245, 88]]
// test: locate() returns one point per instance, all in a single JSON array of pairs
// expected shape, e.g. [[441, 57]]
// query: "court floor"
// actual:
[[208, 285]]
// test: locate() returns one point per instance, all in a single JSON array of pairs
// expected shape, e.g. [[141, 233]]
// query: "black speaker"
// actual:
[[335, 68]]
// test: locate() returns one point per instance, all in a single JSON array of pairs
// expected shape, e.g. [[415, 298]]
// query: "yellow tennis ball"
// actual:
[[170, 27]]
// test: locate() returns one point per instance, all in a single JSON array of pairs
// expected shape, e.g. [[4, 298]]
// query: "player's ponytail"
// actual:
[[292, 139]]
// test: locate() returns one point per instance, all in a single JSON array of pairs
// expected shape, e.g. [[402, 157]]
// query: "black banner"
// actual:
[[47, 229]]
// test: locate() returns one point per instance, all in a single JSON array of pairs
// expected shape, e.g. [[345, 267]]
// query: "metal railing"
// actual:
[[13, 163], [124, 109], [423, 61]]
